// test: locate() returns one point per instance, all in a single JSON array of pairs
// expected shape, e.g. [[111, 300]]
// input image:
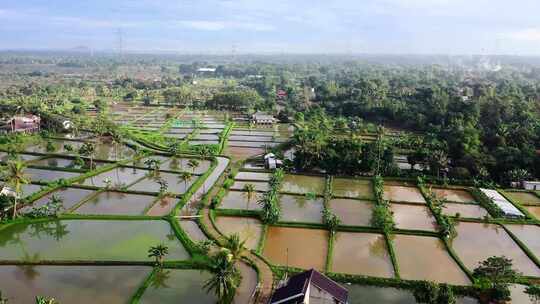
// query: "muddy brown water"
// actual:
[[72, 284], [249, 229], [239, 153], [464, 210], [162, 206], [361, 253], [413, 217], [476, 242], [258, 186], [426, 258], [454, 195], [352, 212], [403, 194], [534, 210], [253, 176], [286, 245], [353, 188], [298, 208], [116, 203], [302, 184]]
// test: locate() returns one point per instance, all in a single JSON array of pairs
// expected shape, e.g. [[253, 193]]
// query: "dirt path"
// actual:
[[246, 292]]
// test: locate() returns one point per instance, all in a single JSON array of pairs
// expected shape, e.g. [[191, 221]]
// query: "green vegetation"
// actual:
[[493, 277], [158, 252], [271, 210], [382, 215]]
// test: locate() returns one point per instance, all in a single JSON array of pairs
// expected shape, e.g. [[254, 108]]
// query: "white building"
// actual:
[[262, 118], [531, 185]]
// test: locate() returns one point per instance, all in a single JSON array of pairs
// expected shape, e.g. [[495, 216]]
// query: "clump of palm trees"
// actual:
[[158, 252], [226, 278], [271, 210], [13, 173]]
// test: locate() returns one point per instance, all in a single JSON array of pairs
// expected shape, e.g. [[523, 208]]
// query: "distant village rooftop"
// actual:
[[262, 118], [310, 287]]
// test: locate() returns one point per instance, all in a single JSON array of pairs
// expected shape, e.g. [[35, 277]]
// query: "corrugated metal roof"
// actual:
[[507, 208]]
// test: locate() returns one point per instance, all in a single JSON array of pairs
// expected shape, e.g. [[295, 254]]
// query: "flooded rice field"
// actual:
[[361, 294], [258, 186], [476, 242], [69, 196], [528, 235], [284, 244], [525, 198], [249, 229], [72, 284], [352, 212], [192, 229], [116, 203], [426, 258], [453, 195], [162, 206], [534, 210], [464, 210], [395, 193], [413, 217], [28, 189], [352, 188], [251, 144], [252, 176], [117, 177], [363, 254], [298, 208], [57, 162], [238, 153], [87, 240], [302, 184], [45, 175], [241, 200], [172, 285], [173, 181]]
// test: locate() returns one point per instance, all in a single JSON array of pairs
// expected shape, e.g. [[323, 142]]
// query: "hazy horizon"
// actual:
[[387, 27]]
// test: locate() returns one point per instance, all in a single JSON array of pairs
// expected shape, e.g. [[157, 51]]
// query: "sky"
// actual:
[[275, 26]]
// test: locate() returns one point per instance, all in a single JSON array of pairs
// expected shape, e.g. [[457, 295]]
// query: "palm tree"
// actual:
[[158, 252], [193, 163], [44, 300], [250, 190], [88, 149], [15, 177], [185, 177], [235, 246], [226, 277], [2, 299]]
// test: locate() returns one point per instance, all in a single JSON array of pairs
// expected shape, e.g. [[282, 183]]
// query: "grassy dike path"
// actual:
[[251, 266]]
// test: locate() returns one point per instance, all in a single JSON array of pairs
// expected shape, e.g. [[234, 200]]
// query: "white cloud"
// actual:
[[530, 34], [207, 25]]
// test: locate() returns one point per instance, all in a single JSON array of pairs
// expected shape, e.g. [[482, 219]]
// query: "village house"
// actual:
[[309, 287], [262, 118], [21, 123]]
